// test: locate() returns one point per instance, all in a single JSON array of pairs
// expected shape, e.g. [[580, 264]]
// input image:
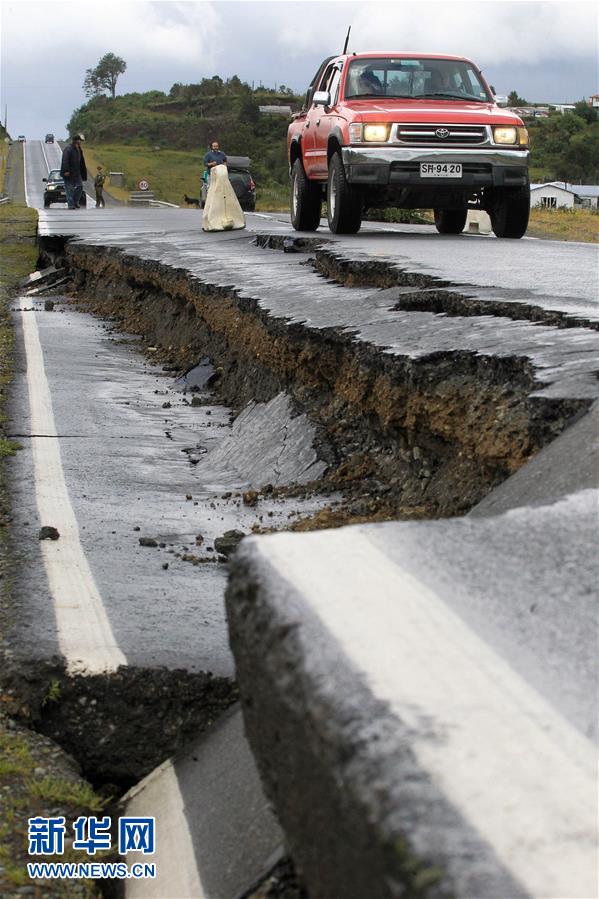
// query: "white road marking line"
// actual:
[[177, 869], [521, 775], [45, 157], [84, 633]]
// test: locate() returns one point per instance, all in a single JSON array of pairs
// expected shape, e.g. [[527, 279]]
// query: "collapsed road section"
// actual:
[[367, 398]]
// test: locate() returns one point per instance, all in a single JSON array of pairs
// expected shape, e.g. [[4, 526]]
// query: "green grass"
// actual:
[[8, 447], [18, 255], [64, 792], [170, 174], [3, 160], [564, 224]]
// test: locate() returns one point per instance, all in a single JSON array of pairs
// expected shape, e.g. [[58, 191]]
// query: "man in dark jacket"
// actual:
[[73, 171]]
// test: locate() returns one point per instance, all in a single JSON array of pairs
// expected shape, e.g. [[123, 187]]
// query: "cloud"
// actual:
[[160, 32], [46, 47], [488, 32]]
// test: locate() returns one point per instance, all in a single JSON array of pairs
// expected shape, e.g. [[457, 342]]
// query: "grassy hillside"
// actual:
[[170, 173], [187, 119]]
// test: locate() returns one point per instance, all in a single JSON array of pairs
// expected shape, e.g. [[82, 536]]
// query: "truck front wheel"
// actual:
[[344, 205], [510, 209], [306, 200], [450, 221]]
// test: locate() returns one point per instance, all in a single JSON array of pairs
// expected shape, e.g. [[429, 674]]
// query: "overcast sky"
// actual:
[[546, 50]]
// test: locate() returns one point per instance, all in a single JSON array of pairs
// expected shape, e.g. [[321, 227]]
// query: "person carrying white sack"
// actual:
[[222, 211]]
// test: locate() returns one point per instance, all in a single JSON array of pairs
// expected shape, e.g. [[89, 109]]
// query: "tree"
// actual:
[[585, 111], [104, 77], [514, 100], [249, 110]]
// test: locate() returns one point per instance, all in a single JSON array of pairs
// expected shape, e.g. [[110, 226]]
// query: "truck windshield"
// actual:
[[409, 77]]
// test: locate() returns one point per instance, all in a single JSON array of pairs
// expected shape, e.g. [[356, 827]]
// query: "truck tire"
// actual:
[[450, 221], [47, 204], [305, 200], [510, 211], [344, 204]]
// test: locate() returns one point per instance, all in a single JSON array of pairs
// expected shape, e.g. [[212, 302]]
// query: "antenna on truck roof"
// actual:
[[346, 41]]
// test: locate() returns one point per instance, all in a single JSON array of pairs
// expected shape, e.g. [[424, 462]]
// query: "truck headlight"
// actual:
[[376, 133], [505, 135], [355, 133], [523, 137]]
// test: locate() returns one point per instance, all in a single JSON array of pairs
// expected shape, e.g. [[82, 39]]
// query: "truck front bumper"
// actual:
[[392, 166]]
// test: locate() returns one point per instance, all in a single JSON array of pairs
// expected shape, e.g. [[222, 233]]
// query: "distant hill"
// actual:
[[190, 116]]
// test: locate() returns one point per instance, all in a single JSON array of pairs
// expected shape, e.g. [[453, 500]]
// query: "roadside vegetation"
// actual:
[[564, 224], [3, 156], [565, 147]]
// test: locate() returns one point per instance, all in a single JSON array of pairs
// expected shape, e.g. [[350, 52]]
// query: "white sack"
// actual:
[[222, 211]]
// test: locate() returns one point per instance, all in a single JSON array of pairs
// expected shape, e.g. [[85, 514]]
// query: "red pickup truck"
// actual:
[[407, 130]]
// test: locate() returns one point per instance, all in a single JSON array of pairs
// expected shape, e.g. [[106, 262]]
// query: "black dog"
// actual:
[[191, 201]]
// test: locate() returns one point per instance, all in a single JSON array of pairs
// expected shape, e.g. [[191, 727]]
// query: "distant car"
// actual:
[[54, 191], [241, 180], [21, 138], [49, 138]]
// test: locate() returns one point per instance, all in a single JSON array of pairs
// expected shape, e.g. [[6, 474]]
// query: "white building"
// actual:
[[588, 193], [553, 196], [563, 195], [276, 110], [564, 107]]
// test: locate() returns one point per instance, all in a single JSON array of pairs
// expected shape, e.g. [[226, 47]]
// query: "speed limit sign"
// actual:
[[143, 185]]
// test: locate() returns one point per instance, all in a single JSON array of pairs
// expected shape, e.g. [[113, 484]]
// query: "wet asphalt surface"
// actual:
[[129, 469]]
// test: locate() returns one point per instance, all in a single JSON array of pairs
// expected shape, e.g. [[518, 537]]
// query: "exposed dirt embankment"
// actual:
[[119, 725], [430, 435]]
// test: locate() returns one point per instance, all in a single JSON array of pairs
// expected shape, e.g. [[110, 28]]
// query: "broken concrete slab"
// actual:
[[267, 444], [48, 275], [432, 686], [51, 285], [216, 836]]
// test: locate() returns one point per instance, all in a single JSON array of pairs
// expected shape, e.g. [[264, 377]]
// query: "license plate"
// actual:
[[440, 169]]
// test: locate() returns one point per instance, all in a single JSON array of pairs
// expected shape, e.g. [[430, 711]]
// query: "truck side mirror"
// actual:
[[44, 179], [322, 98], [501, 100]]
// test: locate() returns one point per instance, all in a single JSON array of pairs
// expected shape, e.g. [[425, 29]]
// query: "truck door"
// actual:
[[325, 120], [311, 134]]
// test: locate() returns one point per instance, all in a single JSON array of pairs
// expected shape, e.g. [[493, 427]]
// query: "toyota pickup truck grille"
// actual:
[[441, 135]]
